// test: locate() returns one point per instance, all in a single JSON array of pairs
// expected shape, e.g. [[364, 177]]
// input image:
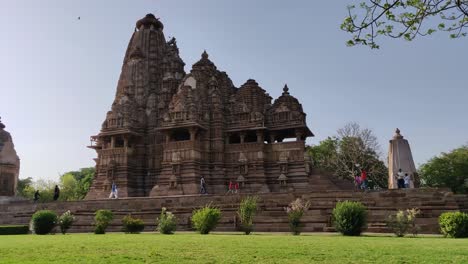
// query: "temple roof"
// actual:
[[287, 100], [149, 20], [204, 61]]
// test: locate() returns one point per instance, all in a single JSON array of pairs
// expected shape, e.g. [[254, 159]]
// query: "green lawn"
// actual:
[[229, 248]]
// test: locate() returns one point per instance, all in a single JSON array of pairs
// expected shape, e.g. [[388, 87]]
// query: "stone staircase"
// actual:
[[271, 217]]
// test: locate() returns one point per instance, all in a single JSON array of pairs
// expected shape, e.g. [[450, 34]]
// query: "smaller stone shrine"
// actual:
[[9, 164], [400, 157]]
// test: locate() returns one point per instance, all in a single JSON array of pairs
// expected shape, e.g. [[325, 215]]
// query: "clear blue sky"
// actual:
[[59, 74]]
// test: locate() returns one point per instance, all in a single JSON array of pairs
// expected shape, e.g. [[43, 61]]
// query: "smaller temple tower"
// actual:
[[9, 164], [400, 157]]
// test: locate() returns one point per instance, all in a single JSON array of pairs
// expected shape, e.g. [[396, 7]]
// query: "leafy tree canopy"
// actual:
[[447, 170], [354, 148], [74, 185], [405, 19]]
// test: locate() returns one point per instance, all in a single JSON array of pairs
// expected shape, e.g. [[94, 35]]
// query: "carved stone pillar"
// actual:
[[272, 137], [193, 133], [299, 134], [260, 136], [112, 142], [242, 137]]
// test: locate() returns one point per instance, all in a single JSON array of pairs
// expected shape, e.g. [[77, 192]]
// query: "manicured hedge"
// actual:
[[14, 230]]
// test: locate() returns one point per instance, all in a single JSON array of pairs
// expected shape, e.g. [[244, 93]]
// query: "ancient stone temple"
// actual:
[[9, 164], [400, 157], [168, 128]]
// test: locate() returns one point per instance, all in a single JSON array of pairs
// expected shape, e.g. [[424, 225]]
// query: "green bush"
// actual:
[[205, 219], [349, 218], [65, 221], [102, 219], [247, 209], [454, 224], [295, 212], [167, 222], [44, 221], [132, 225], [403, 222], [14, 230]]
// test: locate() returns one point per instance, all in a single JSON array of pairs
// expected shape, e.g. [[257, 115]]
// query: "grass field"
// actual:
[[229, 248]]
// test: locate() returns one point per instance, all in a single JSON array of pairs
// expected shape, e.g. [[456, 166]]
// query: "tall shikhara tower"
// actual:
[[166, 129]]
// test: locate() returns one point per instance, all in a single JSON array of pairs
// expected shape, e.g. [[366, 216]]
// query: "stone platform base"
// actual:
[[272, 216]]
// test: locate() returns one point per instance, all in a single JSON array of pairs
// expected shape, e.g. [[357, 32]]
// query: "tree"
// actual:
[[353, 149], [24, 187], [75, 184], [405, 19], [447, 170]]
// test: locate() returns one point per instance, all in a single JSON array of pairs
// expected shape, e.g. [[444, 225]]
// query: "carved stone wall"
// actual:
[[9, 164]]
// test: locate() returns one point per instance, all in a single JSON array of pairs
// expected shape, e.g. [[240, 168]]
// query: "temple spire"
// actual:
[[397, 134], [285, 90], [2, 126]]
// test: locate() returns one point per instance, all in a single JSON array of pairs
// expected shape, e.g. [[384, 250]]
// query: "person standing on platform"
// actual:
[[202, 185], [357, 181], [56, 193], [407, 180], [400, 179], [114, 192], [36, 196], [363, 179], [236, 187], [230, 187]]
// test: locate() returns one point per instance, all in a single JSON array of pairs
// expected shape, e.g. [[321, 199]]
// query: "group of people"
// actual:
[[403, 179], [37, 194], [361, 180]]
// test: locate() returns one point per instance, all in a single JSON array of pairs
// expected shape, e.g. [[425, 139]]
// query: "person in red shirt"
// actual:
[[236, 187], [230, 188], [363, 179]]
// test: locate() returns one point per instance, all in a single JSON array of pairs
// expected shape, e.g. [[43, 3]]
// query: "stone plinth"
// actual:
[[272, 216]]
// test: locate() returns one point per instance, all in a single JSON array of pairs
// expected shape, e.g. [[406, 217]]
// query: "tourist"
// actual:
[[363, 179], [236, 187], [407, 180], [400, 179], [114, 192], [36, 196], [230, 187], [357, 181], [202, 185], [56, 193]]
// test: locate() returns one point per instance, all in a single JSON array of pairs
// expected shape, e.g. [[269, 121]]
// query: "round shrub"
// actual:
[[44, 221], [167, 222], [247, 210], [349, 218], [65, 221], [454, 224], [102, 219], [205, 219], [132, 225]]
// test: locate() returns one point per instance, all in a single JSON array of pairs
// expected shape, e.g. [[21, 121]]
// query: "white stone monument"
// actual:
[[400, 157]]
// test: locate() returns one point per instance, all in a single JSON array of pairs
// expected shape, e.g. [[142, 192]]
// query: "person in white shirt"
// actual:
[[407, 180], [400, 179]]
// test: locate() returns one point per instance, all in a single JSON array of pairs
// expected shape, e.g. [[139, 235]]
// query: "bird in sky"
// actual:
[[79, 18]]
